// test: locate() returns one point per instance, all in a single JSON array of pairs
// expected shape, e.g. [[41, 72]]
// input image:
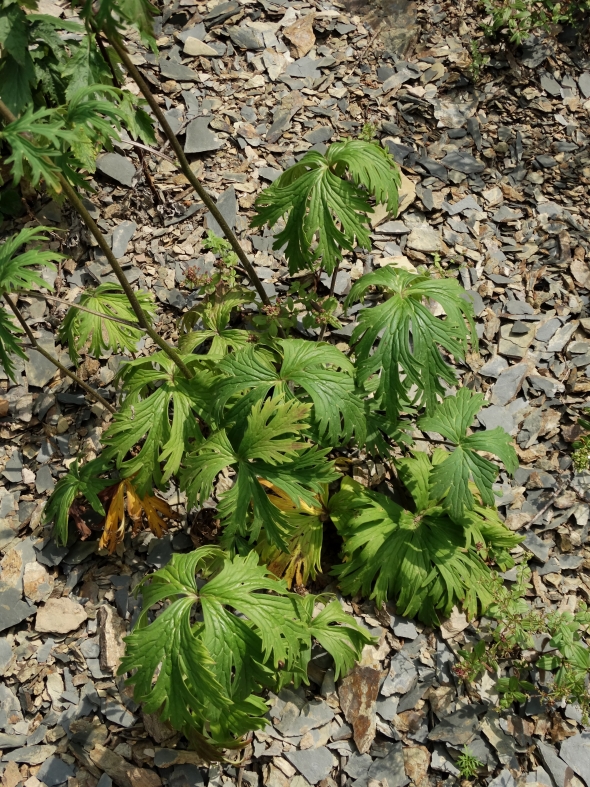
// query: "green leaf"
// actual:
[[321, 370], [13, 33], [15, 82], [251, 633], [86, 67], [424, 560], [15, 270], [144, 418], [326, 200], [340, 635], [9, 343], [452, 419], [269, 448], [78, 481], [399, 339], [80, 327]]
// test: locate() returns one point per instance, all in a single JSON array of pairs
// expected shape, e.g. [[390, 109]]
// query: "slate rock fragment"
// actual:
[[358, 696], [116, 167], [199, 139], [13, 610], [313, 764], [55, 771], [60, 616]]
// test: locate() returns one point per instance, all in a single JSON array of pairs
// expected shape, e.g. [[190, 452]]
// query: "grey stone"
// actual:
[[386, 707], [304, 67], [11, 741], [459, 727], [547, 162], [548, 329], [39, 369], [554, 764], [13, 470], [393, 228], [105, 781], [44, 481], [122, 234], [358, 765], [442, 761], [390, 768], [506, 213], [584, 84], [550, 85], [494, 367], [475, 300], [313, 764], [197, 48], [38, 736], [313, 714], [5, 656], [199, 139], [228, 207], [562, 337], [403, 628], [402, 677], [463, 162], [424, 238], [173, 70], [13, 610], [570, 562], [467, 203], [268, 173], [245, 37], [196, 31], [535, 50], [493, 416], [116, 712], [537, 546], [576, 753], [319, 134], [30, 755], [509, 384], [55, 771], [116, 167], [503, 779]]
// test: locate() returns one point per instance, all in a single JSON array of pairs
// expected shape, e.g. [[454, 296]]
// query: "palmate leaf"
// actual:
[[80, 327], [163, 419], [10, 345], [321, 370], [450, 479], [17, 72], [326, 198], [208, 676], [271, 449], [79, 481], [409, 336], [424, 561], [16, 269]]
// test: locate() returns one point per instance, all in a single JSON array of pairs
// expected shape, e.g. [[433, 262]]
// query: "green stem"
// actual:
[[187, 171], [142, 319], [90, 391]]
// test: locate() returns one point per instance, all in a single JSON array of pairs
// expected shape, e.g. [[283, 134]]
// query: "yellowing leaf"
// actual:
[[154, 508], [114, 525]]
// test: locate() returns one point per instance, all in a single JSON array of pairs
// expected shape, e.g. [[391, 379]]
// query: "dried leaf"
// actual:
[[114, 525]]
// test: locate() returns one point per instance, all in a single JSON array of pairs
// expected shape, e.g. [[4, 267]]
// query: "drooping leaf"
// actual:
[[326, 200], [79, 481], [450, 479], [156, 511], [16, 269], [424, 560], [10, 344], [400, 339], [80, 327]]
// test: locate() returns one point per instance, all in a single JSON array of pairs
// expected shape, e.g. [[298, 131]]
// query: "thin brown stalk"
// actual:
[[142, 319], [35, 344], [187, 171]]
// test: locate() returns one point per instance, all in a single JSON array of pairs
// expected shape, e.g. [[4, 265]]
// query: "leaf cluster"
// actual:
[[427, 559], [205, 657]]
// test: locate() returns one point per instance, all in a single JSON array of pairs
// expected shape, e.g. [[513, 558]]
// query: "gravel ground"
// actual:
[[495, 182]]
